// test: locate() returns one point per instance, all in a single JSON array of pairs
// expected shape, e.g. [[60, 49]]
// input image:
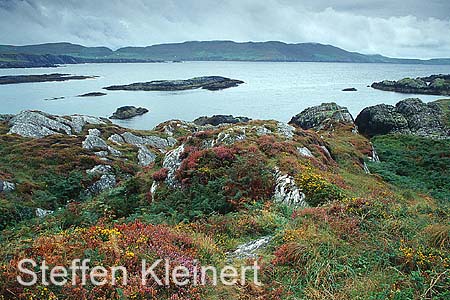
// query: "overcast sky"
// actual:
[[406, 28]]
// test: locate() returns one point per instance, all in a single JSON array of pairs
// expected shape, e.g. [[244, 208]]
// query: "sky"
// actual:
[[406, 28]]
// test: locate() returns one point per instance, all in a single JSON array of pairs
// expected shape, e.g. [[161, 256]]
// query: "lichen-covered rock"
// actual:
[[145, 156], [285, 130], [153, 141], [37, 124], [106, 182], [431, 85], [250, 249], [93, 141], [220, 119], [117, 139], [322, 116], [6, 186], [172, 162], [287, 192], [408, 116], [231, 135]]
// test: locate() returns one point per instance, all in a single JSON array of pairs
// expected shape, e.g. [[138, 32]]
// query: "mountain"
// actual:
[[210, 51]]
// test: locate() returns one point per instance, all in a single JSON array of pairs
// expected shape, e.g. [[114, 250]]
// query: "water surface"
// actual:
[[272, 90]]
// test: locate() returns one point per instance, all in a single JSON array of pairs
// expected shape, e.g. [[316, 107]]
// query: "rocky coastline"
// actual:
[[430, 85]]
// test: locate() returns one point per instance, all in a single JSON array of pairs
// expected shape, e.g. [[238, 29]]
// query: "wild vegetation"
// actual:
[[384, 235]]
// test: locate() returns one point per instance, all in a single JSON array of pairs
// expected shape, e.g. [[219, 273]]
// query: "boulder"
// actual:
[[220, 119], [106, 182], [322, 116], [128, 112], [172, 161], [153, 141], [93, 141], [285, 130], [6, 186], [250, 249], [42, 213], [287, 192], [408, 116], [100, 170]]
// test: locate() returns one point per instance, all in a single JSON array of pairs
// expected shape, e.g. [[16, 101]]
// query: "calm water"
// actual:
[[272, 90]]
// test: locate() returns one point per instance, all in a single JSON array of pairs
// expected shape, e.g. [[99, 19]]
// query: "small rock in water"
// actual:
[[128, 112], [93, 94], [350, 90]]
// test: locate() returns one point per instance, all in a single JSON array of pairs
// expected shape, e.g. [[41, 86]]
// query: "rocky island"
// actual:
[[128, 112], [431, 85], [14, 79], [93, 94], [211, 83]]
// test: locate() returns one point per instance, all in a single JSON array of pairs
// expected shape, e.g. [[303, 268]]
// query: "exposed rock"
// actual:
[[322, 116], [211, 83], [287, 192], [350, 90], [6, 186], [262, 130], [408, 116], [102, 154], [172, 162], [128, 112], [93, 94], [431, 85], [117, 139], [145, 156], [6, 117], [250, 249], [42, 213], [285, 130], [106, 181], [100, 170], [304, 152], [93, 141], [37, 124], [231, 135], [153, 141], [366, 169], [220, 119], [114, 152]]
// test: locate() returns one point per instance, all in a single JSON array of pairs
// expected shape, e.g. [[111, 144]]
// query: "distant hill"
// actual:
[[210, 51]]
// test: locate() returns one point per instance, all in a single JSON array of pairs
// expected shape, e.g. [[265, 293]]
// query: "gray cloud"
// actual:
[[413, 28]]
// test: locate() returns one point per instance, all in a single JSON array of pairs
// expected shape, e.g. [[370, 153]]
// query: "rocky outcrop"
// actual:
[[94, 141], [220, 119], [145, 156], [37, 124], [42, 213], [285, 130], [303, 151], [150, 140], [211, 83], [106, 182], [7, 187], [13, 79], [250, 249], [128, 112], [287, 192], [322, 116], [172, 161], [408, 116], [100, 170], [431, 85], [349, 90]]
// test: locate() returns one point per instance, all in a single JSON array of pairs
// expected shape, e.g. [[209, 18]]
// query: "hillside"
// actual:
[[212, 51], [328, 213]]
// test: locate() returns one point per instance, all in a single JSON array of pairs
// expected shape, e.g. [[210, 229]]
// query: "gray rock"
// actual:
[[36, 124], [262, 130], [153, 141], [172, 162], [106, 182], [102, 154], [250, 249], [322, 116], [145, 156], [42, 213], [287, 192], [100, 169], [114, 152], [117, 139], [231, 135], [304, 152], [6, 186], [93, 141], [285, 130], [78, 122]]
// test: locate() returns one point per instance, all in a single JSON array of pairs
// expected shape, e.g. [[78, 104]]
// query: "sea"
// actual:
[[272, 90]]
